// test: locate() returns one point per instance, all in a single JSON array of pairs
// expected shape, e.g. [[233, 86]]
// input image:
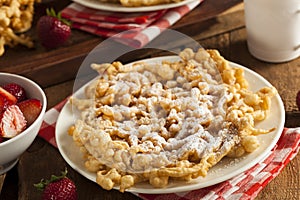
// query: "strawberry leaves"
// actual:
[[51, 12], [43, 184]]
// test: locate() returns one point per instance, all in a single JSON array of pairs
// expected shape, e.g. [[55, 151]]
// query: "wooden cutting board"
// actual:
[[48, 67]]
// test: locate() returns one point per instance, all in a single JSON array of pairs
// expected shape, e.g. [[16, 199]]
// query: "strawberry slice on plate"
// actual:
[[12, 122], [31, 109]]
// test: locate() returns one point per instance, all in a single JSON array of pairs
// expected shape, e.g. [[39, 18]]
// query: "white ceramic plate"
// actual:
[[224, 170], [119, 8]]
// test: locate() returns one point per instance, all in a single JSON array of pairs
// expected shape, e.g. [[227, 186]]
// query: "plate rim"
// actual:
[[91, 176], [118, 8]]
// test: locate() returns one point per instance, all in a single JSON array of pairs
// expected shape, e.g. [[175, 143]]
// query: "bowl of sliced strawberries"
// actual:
[[22, 107]]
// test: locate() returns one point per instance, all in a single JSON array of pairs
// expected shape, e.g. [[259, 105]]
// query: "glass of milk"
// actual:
[[273, 29]]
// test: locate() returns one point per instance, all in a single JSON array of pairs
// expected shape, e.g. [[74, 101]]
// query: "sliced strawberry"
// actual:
[[16, 90], [12, 122], [9, 98], [31, 109], [3, 105]]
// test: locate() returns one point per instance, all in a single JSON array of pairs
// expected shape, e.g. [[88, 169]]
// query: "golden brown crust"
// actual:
[[173, 120], [15, 18]]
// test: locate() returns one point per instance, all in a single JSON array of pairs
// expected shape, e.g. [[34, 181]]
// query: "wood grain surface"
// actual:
[[63, 63]]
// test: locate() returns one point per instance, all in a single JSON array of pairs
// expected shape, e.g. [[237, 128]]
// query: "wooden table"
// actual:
[[214, 24]]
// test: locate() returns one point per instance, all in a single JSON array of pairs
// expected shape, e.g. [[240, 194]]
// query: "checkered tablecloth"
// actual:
[[133, 29], [245, 186]]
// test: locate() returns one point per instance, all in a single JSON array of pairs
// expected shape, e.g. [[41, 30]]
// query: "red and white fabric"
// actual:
[[134, 29], [245, 186]]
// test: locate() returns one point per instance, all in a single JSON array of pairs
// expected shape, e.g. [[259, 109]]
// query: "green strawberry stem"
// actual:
[[43, 183], [51, 12]]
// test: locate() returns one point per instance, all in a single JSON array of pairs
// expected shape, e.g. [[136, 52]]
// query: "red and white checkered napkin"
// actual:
[[245, 186], [133, 29]]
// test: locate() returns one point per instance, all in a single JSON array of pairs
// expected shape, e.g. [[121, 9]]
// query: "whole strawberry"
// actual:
[[58, 188], [53, 31]]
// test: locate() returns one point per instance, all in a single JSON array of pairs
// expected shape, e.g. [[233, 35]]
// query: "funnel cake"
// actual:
[[170, 120]]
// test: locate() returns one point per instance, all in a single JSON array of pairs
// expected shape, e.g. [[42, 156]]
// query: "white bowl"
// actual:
[[12, 149]]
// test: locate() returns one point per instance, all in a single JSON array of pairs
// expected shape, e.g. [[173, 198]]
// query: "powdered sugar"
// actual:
[[158, 114]]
